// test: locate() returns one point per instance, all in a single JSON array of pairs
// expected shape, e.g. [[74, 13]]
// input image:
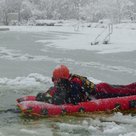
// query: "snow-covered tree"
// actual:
[[92, 10]]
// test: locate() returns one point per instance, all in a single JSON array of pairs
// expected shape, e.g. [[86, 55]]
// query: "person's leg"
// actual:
[[130, 86], [104, 90], [107, 90]]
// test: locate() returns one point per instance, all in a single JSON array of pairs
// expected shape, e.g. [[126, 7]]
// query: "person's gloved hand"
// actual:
[[44, 97], [40, 97]]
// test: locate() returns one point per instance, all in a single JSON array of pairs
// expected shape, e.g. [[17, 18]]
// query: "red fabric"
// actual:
[[122, 90], [52, 91], [76, 80]]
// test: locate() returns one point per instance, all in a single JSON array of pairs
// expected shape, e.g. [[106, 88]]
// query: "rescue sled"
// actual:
[[30, 107]]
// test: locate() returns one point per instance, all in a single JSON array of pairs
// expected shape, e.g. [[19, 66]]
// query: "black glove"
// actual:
[[40, 97], [44, 97]]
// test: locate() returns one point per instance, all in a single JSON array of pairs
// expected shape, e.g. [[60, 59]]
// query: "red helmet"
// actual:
[[61, 72]]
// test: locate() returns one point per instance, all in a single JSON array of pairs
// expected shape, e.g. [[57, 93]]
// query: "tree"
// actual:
[[92, 10]]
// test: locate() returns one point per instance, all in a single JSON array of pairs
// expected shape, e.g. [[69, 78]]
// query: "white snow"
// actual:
[[122, 40], [10, 54], [32, 132], [31, 79], [127, 119], [129, 134], [113, 128], [94, 126]]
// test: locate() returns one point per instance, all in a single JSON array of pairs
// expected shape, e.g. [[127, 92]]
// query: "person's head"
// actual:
[[60, 72]]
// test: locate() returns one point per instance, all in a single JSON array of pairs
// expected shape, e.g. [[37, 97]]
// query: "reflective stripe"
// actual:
[[48, 95], [86, 84]]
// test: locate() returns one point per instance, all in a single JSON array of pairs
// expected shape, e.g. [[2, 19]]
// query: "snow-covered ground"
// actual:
[[122, 39], [28, 55]]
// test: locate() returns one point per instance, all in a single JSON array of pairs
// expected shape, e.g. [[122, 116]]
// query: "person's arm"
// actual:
[[75, 95], [46, 96], [62, 93]]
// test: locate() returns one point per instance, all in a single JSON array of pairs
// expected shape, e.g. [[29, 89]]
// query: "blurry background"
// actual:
[[20, 12]]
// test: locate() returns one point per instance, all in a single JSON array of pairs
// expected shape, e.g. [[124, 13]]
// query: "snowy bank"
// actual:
[[122, 39], [32, 79]]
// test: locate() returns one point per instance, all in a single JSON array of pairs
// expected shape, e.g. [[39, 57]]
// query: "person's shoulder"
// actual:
[[76, 79]]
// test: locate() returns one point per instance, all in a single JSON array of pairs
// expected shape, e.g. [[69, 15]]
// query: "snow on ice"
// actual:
[[122, 40]]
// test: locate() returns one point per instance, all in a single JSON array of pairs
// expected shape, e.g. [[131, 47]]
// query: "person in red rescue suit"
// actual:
[[72, 88]]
